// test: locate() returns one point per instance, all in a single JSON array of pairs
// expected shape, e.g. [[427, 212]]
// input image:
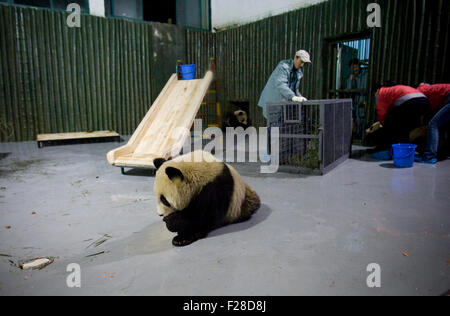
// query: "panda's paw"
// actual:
[[181, 241], [184, 240]]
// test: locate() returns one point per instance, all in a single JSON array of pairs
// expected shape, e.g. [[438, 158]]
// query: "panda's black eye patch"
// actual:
[[164, 201]]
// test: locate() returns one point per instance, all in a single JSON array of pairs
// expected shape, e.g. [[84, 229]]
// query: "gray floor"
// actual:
[[313, 235]]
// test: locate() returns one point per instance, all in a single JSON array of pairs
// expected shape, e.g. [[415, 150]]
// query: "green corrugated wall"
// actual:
[[59, 79], [105, 74], [410, 47]]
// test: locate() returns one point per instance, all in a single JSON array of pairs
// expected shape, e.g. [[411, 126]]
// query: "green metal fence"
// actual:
[[101, 76], [105, 74]]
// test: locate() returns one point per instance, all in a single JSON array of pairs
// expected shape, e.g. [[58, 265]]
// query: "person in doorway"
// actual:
[[400, 109], [439, 98], [283, 84], [358, 81]]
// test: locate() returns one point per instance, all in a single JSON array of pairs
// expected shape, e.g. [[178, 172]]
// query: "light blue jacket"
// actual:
[[277, 87]]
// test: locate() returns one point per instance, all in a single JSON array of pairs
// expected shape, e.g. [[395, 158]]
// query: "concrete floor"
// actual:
[[312, 236]]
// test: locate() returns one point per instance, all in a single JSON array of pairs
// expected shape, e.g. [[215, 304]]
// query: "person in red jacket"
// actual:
[[436, 94], [400, 109], [439, 97]]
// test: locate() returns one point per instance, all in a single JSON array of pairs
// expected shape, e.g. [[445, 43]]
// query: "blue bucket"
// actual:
[[187, 71], [403, 155]]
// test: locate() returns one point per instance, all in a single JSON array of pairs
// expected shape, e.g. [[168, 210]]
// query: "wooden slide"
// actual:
[[158, 135]]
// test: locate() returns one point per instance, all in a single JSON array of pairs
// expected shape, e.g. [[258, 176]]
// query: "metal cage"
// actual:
[[315, 136]]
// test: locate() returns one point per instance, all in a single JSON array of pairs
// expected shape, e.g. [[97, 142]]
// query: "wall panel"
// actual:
[[101, 76]]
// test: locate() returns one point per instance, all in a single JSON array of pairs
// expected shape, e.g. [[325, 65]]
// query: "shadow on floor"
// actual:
[[66, 142], [389, 165], [140, 172], [155, 238], [260, 216]]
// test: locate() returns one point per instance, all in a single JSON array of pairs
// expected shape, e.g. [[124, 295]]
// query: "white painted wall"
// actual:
[[225, 13], [97, 7]]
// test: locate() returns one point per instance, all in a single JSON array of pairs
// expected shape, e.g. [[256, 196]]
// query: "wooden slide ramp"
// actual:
[[158, 135]]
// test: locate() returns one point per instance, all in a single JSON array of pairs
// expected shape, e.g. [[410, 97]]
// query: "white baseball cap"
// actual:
[[304, 56]]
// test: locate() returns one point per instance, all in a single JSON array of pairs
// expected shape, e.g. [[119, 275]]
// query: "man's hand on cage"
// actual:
[[299, 99]]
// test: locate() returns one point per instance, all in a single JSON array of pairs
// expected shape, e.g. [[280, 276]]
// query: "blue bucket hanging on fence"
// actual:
[[187, 71]]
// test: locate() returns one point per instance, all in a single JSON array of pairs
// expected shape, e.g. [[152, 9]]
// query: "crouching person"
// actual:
[[400, 109]]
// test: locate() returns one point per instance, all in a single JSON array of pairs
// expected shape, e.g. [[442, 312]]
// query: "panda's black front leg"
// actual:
[[188, 229], [176, 222]]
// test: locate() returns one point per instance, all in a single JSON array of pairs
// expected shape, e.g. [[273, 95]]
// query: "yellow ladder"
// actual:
[[215, 103]]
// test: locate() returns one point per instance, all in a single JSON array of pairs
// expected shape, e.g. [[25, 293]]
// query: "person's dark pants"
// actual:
[[400, 121], [441, 119]]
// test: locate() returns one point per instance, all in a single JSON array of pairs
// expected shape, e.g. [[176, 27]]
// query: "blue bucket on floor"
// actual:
[[403, 155], [187, 71]]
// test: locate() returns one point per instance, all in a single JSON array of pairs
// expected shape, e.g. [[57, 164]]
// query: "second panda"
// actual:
[[236, 119], [197, 193]]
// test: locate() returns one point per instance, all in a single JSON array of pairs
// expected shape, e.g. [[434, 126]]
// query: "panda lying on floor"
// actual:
[[198, 197], [235, 119]]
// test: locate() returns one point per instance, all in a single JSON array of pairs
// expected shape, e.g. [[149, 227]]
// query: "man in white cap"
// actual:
[[284, 82]]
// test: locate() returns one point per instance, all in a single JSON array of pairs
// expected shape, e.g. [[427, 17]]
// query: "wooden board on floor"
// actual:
[[158, 134], [78, 135]]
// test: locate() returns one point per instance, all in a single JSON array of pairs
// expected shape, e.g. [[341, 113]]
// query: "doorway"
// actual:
[[350, 78]]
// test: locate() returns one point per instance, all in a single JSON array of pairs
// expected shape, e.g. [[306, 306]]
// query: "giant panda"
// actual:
[[236, 119], [196, 193]]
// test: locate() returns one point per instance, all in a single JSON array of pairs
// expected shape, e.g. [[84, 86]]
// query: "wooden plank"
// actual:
[[157, 134], [80, 135]]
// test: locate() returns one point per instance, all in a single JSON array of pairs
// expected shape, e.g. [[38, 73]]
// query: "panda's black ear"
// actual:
[[158, 162], [174, 173]]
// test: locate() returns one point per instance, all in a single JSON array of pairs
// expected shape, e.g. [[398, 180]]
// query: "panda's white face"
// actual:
[[164, 207], [177, 181], [166, 191], [241, 116], [171, 189]]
